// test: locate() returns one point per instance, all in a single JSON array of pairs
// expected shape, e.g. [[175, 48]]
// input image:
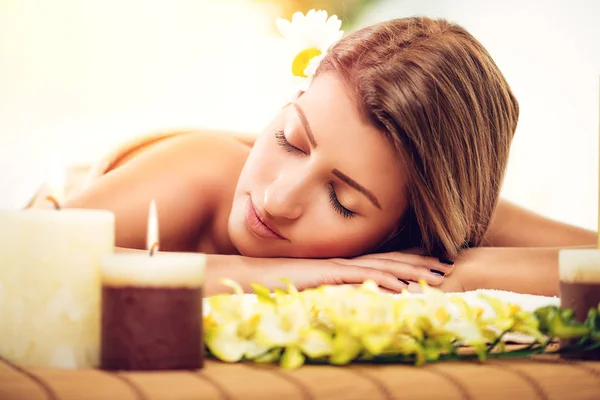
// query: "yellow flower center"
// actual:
[[302, 59], [247, 329]]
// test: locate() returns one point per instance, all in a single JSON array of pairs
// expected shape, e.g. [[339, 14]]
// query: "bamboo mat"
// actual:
[[542, 377]]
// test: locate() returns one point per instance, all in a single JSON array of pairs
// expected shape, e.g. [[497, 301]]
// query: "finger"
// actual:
[[406, 272], [441, 270], [401, 270], [414, 259], [357, 275]]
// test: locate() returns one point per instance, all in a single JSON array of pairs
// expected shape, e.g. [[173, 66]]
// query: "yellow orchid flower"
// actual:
[[510, 317], [232, 341], [343, 323], [231, 324], [345, 349]]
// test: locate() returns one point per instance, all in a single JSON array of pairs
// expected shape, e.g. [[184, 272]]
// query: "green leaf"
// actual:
[[269, 357], [593, 323], [560, 323], [544, 315]]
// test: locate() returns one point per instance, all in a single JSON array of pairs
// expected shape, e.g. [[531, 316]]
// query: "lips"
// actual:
[[261, 227]]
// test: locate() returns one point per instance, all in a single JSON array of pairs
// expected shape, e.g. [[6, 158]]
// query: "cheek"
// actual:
[[261, 165], [326, 235], [347, 244]]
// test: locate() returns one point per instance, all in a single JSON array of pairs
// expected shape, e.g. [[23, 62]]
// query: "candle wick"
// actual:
[[154, 248], [53, 200]]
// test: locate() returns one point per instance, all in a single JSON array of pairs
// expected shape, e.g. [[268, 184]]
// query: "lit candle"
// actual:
[[50, 284], [579, 272], [152, 308]]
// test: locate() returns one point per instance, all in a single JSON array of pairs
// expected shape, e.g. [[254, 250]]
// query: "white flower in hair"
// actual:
[[309, 38]]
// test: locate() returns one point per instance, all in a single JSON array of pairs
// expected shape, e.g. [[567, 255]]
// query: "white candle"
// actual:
[[50, 285]]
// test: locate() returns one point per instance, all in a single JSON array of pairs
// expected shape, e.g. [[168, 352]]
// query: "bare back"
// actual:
[[192, 177]]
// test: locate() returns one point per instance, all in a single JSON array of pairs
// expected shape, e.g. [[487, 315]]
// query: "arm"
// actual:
[[308, 273], [514, 226], [522, 255], [519, 253], [521, 270]]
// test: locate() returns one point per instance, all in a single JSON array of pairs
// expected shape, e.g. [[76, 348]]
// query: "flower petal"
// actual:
[[375, 343], [224, 343], [345, 349], [292, 358], [284, 27], [316, 343]]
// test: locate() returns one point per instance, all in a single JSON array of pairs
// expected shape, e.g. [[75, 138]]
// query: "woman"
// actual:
[[386, 168]]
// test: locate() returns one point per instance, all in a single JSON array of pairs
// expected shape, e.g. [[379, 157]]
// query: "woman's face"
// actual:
[[319, 182]]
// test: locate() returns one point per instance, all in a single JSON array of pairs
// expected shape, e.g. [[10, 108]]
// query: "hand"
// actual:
[[451, 284], [410, 264], [391, 271]]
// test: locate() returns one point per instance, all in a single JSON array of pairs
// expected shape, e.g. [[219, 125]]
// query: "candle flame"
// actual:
[[152, 236]]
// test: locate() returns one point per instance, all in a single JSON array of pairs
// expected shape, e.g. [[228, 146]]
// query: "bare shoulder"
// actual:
[[190, 176], [196, 148], [205, 158]]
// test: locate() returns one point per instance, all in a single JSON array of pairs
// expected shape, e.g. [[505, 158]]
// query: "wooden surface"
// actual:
[[542, 377]]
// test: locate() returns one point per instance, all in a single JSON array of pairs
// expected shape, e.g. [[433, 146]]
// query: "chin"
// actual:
[[249, 248]]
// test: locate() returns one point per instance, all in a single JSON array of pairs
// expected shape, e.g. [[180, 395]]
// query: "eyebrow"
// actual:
[[304, 121], [352, 183]]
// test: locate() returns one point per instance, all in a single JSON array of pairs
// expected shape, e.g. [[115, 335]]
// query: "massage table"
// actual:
[[540, 377]]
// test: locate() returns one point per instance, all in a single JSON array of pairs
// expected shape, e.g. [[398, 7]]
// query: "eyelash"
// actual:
[[343, 211], [283, 142]]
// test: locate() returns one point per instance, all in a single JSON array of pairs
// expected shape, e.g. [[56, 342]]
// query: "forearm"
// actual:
[[514, 226], [248, 270], [521, 270]]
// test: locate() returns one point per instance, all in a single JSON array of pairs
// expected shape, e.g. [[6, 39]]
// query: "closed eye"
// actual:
[[335, 202], [283, 142]]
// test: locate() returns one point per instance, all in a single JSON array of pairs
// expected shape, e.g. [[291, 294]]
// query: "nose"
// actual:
[[283, 197]]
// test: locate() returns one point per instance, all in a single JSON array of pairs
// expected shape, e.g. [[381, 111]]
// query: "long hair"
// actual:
[[442, 102]]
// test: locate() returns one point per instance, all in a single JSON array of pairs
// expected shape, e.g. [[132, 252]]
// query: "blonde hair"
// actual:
[[438, 96]]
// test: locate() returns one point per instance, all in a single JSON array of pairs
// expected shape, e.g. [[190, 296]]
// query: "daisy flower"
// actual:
[[309, 37]]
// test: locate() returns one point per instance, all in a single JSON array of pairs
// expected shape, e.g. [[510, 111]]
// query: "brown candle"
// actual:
[[579, 289], [152, 311]]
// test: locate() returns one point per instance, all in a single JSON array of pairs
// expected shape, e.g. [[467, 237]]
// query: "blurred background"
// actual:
[[79, 77]]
